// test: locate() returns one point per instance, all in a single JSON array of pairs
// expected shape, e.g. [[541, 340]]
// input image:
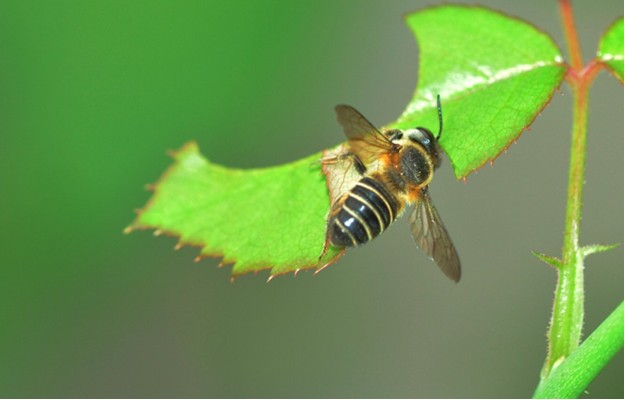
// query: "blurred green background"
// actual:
[[92, 94]]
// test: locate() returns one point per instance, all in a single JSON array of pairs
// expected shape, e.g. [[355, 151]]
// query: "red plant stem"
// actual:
[[570, 32]]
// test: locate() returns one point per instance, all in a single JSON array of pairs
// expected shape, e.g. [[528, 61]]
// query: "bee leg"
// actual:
[[334, 209], [320, 266], [359, 166], [326, 246]]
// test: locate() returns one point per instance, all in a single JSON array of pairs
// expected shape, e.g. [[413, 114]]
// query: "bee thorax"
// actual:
[[416, 169]]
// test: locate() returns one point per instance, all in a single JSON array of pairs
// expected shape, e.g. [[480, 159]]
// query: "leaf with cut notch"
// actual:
[[611, 49], [270, 218], [494, 74]]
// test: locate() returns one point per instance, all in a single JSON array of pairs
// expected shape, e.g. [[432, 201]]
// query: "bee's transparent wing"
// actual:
[[432, 237], [341, 171], [365, 140]]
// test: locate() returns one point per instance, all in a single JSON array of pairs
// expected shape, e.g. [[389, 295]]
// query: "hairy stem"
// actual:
[[573, 376], [568, 309]]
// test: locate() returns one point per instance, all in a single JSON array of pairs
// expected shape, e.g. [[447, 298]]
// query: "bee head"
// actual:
[[424, 138]]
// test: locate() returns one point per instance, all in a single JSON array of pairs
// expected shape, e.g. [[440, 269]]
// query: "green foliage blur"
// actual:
[[92, 94]]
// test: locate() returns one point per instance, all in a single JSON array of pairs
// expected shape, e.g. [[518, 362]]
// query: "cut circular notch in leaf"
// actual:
[[494, 74], [611, 49], [270, 218]]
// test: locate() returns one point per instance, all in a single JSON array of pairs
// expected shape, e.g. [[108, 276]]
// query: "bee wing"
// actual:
[[432, 237], [341, 169], [365, 140]]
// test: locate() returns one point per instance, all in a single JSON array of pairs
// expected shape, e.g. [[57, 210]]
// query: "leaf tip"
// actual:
[[190, 146], [597, 248], [552, 261]]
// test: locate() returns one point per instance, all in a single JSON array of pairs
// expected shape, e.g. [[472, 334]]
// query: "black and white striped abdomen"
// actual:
[[367, 210]]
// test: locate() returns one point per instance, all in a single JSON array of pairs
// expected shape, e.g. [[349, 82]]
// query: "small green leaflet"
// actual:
[[257, 219], [611, 49], [494, 74]]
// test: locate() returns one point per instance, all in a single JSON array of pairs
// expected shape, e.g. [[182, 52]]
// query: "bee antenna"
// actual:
[[440, 116]]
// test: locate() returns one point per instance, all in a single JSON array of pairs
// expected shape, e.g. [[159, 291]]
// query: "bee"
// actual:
[[395, 168]]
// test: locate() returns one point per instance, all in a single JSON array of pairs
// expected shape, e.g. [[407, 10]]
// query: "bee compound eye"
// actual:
[[425, 134], [424, 137]]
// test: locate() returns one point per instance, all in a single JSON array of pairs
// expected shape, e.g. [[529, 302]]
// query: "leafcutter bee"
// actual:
[[394, 168]]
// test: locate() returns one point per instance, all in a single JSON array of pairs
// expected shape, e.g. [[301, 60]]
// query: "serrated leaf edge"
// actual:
[[137, 225], [558, 61]]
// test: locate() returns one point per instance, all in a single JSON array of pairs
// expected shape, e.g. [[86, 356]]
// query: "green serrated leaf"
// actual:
[[553, 261], [597, 248], [494, 74], [275, 218], [257, 219], [611, 49]]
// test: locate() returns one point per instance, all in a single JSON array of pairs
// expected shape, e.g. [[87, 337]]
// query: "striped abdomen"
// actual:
[[367, 210]]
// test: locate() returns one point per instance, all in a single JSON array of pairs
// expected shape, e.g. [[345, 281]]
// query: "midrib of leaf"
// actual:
[[477, 83], [460, 85]]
